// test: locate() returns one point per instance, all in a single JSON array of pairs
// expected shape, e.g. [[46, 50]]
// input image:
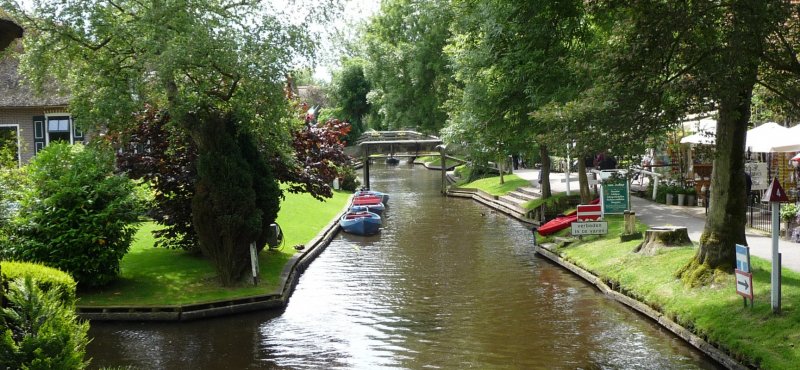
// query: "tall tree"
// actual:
[[350, 89], [668, 58], [408, 70], [510, 59], [216, 66]]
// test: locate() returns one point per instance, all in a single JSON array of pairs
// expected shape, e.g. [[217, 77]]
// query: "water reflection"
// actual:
[[446, 284]]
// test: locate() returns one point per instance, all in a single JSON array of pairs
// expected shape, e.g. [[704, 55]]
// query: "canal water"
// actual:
[[448, 284]]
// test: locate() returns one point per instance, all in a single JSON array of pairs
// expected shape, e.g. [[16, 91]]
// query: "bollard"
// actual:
[[534, 230]]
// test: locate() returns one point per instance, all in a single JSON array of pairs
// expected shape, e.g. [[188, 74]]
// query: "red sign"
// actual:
[[589, 212], [775, 192]]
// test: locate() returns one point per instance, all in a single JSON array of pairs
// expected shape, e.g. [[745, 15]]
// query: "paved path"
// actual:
[[656, 214]]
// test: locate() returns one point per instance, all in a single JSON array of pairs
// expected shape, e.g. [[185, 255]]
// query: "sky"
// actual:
[[354, 11]]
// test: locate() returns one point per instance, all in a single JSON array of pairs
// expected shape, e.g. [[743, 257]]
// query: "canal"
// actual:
[[447, 284]]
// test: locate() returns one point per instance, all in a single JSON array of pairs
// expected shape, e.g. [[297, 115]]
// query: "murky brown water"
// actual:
[[447, 284]]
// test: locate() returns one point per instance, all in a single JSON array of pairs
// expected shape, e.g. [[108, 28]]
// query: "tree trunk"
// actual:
[[726, 218], [657, 238], [583, 181], [501, 167], [544, 175]]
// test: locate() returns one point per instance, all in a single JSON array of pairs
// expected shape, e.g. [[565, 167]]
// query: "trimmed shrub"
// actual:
[[76, 215], [268, 192], [349, 179], [47, 278], [223, 208], [39, 331]]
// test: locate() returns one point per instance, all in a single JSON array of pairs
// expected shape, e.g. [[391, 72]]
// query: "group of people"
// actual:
[[602, 161]]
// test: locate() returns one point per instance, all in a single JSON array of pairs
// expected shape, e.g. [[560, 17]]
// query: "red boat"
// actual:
[[558, 223], [561, 222], [374, 203]]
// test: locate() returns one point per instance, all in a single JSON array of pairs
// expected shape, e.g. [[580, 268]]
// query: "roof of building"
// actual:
[[14, 91]]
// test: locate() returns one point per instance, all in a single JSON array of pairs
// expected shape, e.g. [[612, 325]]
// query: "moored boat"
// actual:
[[372, 202], [384, 196], [360, 223]]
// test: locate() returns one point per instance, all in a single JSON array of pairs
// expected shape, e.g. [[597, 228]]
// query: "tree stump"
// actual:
[[662, 237]]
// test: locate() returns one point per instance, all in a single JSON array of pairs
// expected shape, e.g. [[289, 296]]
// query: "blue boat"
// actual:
[[360, 223], [374, 208], [365, 192]]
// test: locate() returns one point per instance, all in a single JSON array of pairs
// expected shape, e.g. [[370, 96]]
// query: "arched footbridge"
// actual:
[[397, 144]]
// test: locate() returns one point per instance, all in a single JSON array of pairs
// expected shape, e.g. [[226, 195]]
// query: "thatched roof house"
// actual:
[[33, 120]]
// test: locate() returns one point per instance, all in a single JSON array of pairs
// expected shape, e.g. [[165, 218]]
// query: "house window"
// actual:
[[9, 145], [58, 129]]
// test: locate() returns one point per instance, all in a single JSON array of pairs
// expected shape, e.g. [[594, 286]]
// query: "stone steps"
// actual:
[[513, 203], [531, 191], [521, 196]]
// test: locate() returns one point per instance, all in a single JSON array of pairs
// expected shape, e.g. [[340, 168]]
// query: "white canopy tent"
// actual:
[[789, 142], [767, 138], [761, 139]]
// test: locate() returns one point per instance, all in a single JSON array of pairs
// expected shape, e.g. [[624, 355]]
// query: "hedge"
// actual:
[[47, 278]]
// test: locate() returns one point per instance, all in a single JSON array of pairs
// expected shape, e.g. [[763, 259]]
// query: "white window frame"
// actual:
[[47, 127], [19, 141]]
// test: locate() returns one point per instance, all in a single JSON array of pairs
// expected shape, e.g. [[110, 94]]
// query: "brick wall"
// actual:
[[23, 117]]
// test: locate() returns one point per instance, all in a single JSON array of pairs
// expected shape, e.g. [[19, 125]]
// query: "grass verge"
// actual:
[[163, 277], [493, 186], [755, 337]]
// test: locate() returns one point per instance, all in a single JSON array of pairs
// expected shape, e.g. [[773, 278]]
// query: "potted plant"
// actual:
[[672, 190], [789, 215], [681, 193], [691, 196]]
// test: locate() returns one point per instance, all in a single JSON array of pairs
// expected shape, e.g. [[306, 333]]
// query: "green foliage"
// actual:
[[349, 180], [156, 153], [76, 215], [509, 59], [223, 209], [46, 278], [408, 70], [350, 89], [8, 148], [267, 191], [39, 331], [12, 184], [789, 211]]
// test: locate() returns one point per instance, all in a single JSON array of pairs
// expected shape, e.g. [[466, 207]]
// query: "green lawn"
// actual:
[[158, 276], [715, 313], [493, 186]]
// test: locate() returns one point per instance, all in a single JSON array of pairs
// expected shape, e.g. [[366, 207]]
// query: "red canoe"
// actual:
[[561, 222]]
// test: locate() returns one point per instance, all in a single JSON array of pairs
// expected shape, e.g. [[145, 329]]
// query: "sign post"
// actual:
[[776, 195], [615, 196], [744, 279]]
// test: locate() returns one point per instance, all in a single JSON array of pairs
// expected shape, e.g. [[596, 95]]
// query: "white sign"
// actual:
[[744, 284], [758, 174], [590, 228]]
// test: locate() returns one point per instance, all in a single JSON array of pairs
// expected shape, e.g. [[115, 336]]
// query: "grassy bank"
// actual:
[[754, 336], [493, 186], [158, 276]]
